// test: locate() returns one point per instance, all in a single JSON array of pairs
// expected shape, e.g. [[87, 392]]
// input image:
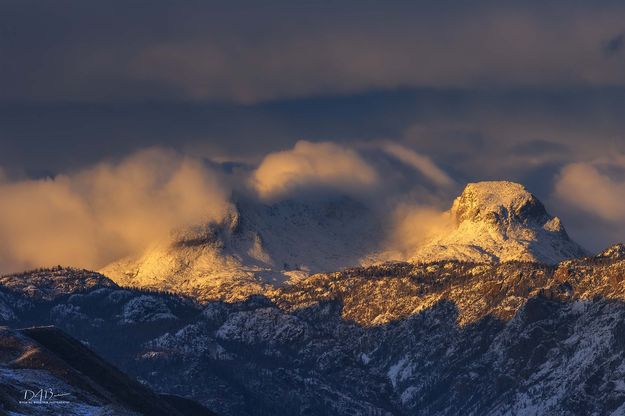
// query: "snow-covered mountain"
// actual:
[[497, 222], [435, 336], [256, 246], [490, 336]]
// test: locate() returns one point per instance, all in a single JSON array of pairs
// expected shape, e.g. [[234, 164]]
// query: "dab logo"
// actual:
[[43, 396]]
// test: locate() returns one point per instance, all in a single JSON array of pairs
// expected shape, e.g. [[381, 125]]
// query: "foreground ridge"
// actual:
[[73, 380]]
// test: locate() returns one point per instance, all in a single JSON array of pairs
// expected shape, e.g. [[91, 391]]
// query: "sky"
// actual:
[[405, 100]]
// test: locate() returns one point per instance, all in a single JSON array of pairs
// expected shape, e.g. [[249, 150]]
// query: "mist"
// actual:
[[113, 209]]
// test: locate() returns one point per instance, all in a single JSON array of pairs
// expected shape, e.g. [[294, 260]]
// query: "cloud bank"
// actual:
[[91, 217], [94, 216]]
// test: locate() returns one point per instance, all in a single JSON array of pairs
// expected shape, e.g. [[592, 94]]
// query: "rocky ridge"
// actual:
[[45, 372], [444, 338]]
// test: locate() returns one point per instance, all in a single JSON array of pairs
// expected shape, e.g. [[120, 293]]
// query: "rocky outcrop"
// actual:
[[498, 222], [48, 284]]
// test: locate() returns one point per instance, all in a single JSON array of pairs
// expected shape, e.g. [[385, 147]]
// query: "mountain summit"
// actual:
[[497, 222]]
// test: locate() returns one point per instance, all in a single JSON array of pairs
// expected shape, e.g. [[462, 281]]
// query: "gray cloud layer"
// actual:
[[248, 51]]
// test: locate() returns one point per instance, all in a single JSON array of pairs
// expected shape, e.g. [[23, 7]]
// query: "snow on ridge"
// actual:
[[257, 247]]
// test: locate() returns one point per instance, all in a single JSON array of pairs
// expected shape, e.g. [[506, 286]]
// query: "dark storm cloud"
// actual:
[[253, 51], [80, 81], [461, 129], [58, 136]]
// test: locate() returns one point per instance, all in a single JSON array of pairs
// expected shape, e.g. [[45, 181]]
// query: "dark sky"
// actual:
[[84, 80], [485, 89]]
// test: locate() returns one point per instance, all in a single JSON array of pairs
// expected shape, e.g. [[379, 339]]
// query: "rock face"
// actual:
[[255, 247], [498, 222]]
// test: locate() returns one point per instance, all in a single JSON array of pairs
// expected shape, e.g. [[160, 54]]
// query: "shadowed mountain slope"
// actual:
[[44, 371]]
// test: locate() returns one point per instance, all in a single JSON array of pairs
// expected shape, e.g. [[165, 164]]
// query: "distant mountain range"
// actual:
[[507, 317]]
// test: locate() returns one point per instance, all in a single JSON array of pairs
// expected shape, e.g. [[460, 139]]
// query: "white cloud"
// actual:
[[411, 226], [308, 164]]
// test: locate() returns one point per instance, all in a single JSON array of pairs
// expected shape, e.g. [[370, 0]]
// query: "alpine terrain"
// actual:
[[256, 246], [508, 317]]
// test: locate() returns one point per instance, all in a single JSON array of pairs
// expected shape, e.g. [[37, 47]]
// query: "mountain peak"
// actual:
[[497, 201], [500, 221]]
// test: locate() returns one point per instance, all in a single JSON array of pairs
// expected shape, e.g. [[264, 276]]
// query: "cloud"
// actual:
[[408, 205], [324, 165], [99, 214], [412, 225], [592, 194], [585, 186], [422, 164]]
